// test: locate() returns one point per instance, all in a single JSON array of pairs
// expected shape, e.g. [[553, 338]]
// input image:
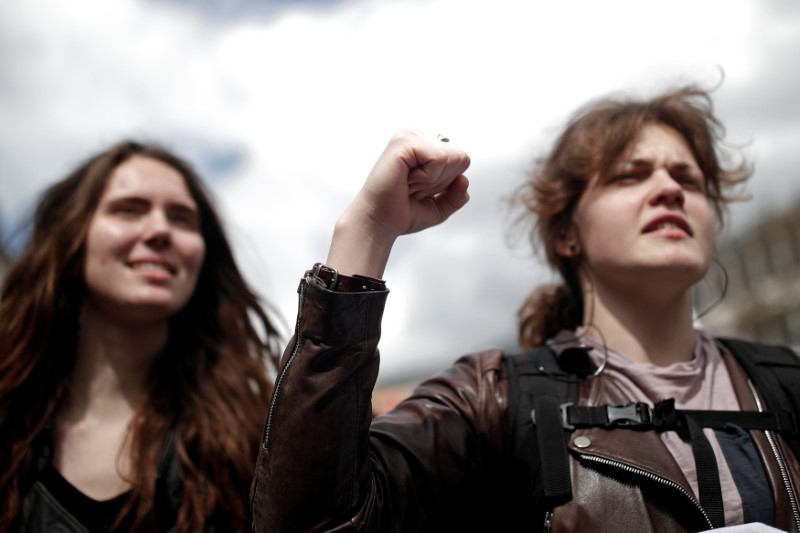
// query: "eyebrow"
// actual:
[[641, 162], [171, 204], [684, 166]]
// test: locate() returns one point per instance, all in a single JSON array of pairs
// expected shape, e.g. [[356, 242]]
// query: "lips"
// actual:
[[668, 222]]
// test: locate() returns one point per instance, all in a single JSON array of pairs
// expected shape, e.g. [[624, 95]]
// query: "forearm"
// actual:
[[316, 434]]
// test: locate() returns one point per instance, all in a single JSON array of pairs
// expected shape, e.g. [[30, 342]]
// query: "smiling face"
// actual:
[[144, 249], [649, 219]]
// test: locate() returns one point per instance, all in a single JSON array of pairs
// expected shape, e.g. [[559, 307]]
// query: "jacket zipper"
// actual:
[[652, 477], [548, 522], [779, 459], [279, 381]]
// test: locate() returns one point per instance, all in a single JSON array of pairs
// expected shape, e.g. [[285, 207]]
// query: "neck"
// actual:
[[648, 326], [112, 366]]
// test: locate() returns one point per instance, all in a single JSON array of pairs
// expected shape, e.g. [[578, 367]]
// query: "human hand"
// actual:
[[416, 183]]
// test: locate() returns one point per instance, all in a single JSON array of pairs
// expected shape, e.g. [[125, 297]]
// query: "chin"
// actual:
[[165, 300], [689, 272], [154, 308], [683, 261]]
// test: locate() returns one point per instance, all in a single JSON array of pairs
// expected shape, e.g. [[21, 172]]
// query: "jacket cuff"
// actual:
[[327, 277]]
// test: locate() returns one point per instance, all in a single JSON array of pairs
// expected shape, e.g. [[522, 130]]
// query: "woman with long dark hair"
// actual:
[[133, 357], [624, 417]]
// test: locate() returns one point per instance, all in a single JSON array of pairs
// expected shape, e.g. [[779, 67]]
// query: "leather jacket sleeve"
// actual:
[[324, 465]]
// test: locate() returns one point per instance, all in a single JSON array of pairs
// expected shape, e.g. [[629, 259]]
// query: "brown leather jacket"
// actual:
[[441, 461]]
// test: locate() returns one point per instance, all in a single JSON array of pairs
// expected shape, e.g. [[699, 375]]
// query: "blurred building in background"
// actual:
[[762, 300]]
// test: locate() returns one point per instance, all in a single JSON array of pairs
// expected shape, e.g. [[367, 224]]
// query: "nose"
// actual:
[[666, 191], [157, 231]]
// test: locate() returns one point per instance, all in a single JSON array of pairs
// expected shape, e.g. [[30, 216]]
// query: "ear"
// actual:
[[567, 244]]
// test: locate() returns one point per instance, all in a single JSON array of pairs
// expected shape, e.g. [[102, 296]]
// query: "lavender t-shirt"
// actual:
[[702, 383]]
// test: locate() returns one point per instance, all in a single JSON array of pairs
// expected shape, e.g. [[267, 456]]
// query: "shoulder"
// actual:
[[475, 387], [763, 353], [483, 362], [473, 372]]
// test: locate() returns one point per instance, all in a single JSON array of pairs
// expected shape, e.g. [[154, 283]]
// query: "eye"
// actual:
[[128, 208], [185, 217], [626, 178], [630, 172], [691, 181]]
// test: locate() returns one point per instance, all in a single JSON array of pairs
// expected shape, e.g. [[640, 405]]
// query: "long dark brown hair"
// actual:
[[593, 141], [208, 389]]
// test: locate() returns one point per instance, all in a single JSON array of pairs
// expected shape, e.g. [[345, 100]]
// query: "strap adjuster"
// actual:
[[632, 414]]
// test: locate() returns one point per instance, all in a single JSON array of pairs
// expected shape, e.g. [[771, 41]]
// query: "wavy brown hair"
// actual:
[[208, 388], [594, 139]]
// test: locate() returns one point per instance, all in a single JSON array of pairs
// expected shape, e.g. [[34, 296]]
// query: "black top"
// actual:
[[96, 516]]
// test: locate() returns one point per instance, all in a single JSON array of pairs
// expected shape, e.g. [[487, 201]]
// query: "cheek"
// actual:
[[96, 249], [105, 240], [194, 253], [598, 229], [705, 222], [710, 243]]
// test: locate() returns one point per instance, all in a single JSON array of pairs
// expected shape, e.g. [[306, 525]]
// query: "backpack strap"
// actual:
[[538, 387], [775, 370], [663, 417]]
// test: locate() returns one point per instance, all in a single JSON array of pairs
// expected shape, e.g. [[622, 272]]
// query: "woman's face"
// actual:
[[144, 249], [649, 220]]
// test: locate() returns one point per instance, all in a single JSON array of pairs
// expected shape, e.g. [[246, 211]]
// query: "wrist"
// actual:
[[359, 248]]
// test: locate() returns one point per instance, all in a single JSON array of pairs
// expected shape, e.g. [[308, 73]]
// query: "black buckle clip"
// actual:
[[632, 414], [565, 416]]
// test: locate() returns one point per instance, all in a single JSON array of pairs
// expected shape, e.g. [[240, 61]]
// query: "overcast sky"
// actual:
[[284, 106]]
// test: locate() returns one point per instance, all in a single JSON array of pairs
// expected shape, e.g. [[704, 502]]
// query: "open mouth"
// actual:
[[668, 223]]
